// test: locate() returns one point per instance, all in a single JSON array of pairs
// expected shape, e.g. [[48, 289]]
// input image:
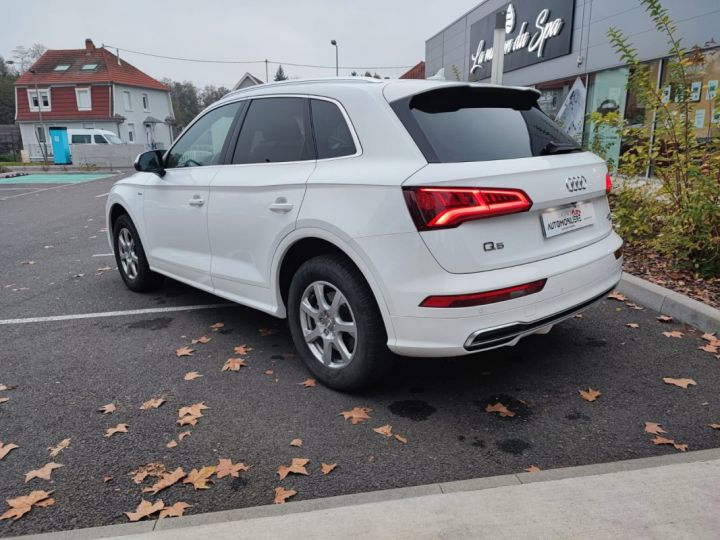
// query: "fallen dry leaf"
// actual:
[[151, 469], [152, 404], [233, 364], [193, 410], [296, 442], [533, 469], [226, 467], [632, 305], [202, 339], [183, 435], [499, 408], [385, 430], [45, 503], [681, 447], [184, 351], [264, 332], [357, 415], [400, 438], [682, 383], [296, 467], [589, 394], [20, 506], [632, 325], [120, 428], [578, 315], [166, 480], [217, 326], [709, 348], [145, 509], [192, 375], [653, 428], [62, 445], [176, 510], [199, 479], [617, 296], [673, 334], [4, 399], [172, 444], [107, 479], [665, 318], [43, 473], [242, 350], [3, 387], [308, 383], [108, 409], [709, 337], [714, 426], [663, 440], [6, 448], [188, 420], [327, 468], [282, 495], [269, 372]]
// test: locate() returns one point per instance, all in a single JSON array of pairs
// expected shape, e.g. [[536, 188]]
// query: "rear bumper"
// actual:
[[575, 280]]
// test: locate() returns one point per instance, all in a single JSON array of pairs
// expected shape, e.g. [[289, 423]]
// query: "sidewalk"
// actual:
[[674, 496]]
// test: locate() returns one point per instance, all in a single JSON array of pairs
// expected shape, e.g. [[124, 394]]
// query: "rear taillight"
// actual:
[[482, 298], [608, 183], [443, 208]]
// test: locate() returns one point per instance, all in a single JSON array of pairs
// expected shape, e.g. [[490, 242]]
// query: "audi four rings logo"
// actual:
[[576, 183]]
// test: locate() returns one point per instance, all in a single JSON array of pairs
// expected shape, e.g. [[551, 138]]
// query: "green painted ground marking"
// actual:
[[54, 178]]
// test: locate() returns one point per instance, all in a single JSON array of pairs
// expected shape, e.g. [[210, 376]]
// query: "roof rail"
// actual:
[[303, 81]]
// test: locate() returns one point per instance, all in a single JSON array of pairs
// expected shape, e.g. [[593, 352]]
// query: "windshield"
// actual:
[[113, 139]]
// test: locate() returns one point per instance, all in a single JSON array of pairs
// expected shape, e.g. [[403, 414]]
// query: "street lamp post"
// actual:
[[42, 124], [337, 69]]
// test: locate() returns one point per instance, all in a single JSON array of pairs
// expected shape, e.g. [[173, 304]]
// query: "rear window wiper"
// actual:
[[559, 148]]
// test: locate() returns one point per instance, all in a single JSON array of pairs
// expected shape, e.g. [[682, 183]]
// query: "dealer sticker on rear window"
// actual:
[[569, 218]]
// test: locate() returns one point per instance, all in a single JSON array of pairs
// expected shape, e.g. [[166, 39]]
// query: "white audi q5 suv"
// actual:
[[429, 218]]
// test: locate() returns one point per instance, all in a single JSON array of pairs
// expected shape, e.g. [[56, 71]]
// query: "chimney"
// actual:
[[89, 45]]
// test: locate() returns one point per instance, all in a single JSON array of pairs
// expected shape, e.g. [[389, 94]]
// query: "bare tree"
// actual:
[[25, 57]]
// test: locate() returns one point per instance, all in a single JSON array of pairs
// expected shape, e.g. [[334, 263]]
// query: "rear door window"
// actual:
[[332, 134], [453, 125], [80, 139], [275, 130]]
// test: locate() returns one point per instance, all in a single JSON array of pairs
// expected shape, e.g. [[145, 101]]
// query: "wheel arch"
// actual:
[[304, 244]]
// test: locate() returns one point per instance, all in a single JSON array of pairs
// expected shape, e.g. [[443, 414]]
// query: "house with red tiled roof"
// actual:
[[415, 72], [91, 88]]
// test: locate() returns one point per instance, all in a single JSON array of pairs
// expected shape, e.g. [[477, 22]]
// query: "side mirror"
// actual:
[[151, 161]]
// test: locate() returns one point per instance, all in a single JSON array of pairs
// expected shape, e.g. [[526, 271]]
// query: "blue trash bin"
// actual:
[[60, 145]]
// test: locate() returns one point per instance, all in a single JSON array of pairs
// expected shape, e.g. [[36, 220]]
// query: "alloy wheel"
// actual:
[[128, 257]]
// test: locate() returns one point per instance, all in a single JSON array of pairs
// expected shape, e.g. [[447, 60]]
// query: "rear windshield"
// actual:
[[453, 125]]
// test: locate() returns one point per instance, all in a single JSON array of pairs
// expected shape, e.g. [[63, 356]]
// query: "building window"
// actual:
[[131, 132], [40, 134], [128, 100], [82, 96], [43, 104], [146, 103], [89, 67], [62, 67]]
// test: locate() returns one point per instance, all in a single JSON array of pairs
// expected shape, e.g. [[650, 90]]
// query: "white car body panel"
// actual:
[[234, 244]]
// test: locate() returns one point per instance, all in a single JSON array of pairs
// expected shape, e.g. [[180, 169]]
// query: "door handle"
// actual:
[[197, 200], [281, 206]]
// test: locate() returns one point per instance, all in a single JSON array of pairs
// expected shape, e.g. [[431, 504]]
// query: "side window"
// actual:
[[202, 144], [332, 134], [274, 131], [99, 139], [80, 139]]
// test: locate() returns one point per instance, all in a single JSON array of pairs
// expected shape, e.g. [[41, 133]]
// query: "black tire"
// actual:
[[371, 358], [144, 279]]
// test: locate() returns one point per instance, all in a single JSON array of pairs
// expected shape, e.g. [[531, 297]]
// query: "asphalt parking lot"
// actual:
[[60, 371]]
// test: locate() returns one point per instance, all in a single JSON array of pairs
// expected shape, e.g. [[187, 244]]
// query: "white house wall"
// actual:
[[160, 108]]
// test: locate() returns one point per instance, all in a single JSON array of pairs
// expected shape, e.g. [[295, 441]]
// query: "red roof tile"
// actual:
[[108, 69], [415, 72]]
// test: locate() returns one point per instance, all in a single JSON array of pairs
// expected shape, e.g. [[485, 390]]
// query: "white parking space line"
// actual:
[[36, 191], [102, 195], [112, 314], [103, 255]]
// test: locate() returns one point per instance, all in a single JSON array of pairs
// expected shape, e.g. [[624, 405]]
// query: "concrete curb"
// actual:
[[670, 303], [476, 484]]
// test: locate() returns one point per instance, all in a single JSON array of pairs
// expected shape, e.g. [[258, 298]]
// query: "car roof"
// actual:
[[393, 89]]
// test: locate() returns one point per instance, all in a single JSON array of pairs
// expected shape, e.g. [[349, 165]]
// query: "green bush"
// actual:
[[678, 213]]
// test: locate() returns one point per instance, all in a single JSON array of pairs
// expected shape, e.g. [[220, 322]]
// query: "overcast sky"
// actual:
[[369, 33]]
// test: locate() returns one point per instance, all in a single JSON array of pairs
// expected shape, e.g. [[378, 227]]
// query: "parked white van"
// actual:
[[92, 136]]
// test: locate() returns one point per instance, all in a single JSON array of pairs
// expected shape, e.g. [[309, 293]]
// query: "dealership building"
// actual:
[[561, 47]]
